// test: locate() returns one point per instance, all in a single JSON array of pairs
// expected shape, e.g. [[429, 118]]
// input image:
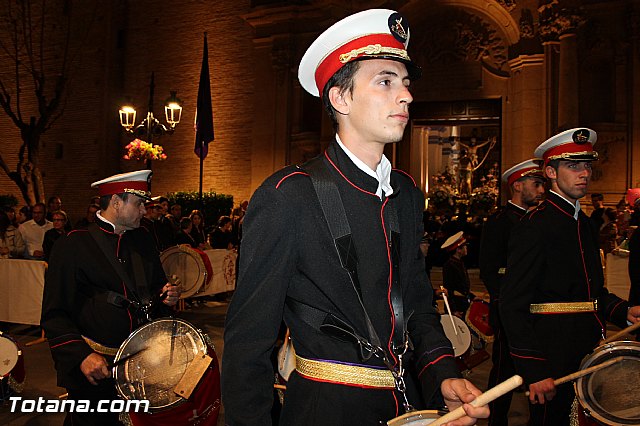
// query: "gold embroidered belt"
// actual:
[[352, 375], [101, 349], [563, 307]]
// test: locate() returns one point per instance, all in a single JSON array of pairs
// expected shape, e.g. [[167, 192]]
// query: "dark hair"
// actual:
[[342, 79], [52, 199], [39, 205], [162, 200], [61, 213], [223, 221], [597, 197], [26, 212], [611, 214], [185, 222], [555, 164]]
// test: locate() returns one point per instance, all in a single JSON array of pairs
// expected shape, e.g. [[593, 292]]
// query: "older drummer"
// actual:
[[102, 283], [553, 301]]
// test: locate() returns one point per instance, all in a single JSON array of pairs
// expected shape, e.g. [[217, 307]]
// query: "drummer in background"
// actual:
[[290, 268], [526, 182], [553, 304], [455, 277], [93, 300]]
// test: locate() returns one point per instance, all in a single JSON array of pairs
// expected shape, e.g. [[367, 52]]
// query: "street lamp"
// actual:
[[150, 127]]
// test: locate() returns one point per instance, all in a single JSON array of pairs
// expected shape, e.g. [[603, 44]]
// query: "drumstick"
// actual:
[[446, 303], [581, 373], [621, 333], [482, 399]]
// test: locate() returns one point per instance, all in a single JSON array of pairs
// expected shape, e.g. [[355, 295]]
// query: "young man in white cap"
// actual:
[[526, 182], [553, 303], [101, 284], [350, 324]]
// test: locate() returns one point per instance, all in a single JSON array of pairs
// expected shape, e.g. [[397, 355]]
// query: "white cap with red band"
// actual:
[[371, 34], [454, 241], [136, 183], [570, 145], [529, 168]]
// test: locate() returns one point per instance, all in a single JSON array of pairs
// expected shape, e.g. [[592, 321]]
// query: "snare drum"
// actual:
[[191, 266], [460, 341], [610, 396], [159, 354], [12, 373], [415, 418]]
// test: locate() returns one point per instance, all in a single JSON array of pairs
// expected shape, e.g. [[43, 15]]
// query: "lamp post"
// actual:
[[150, 127]]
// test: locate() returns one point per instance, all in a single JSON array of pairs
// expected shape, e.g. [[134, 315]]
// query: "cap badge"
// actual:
[[397, 28], [581, 136]]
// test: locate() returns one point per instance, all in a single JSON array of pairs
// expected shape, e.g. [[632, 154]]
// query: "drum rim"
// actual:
[[203, 275], [588, 361], [18, 353], [197, 332]]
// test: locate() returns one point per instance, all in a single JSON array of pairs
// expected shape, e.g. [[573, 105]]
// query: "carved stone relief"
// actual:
[[456, 35]]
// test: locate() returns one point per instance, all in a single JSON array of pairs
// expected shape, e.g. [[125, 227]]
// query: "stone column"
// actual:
[[568, 96]]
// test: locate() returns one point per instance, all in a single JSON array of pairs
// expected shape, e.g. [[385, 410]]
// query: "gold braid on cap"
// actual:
[[138, 192], [532, 171], [373, 49], [570, 155]]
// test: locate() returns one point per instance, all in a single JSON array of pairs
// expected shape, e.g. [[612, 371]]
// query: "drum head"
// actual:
[[9, 355], [612, 394], [187, 264], [460, 341], [162, 351]]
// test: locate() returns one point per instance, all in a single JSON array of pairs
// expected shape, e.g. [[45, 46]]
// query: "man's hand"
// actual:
[[94, 367], [633, 314], [457, 392], [172, 291], [542, 391]]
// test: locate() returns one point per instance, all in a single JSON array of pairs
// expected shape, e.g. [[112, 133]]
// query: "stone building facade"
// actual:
[[514, 70]]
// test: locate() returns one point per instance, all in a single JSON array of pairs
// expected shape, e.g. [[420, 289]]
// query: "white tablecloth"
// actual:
[[22, 284], [617, 275]]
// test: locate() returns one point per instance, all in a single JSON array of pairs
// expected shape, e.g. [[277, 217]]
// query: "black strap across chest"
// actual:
[[333, 209]]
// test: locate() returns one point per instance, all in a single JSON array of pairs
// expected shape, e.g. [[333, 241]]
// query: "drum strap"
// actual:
[[138, 289], [334, 213]]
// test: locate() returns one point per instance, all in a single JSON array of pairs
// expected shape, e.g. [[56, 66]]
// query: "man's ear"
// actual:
[[338, 101], [551, 172], [115, 202], [516, 186]]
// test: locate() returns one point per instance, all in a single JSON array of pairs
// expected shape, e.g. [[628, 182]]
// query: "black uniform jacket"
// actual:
[[287, 253], [493, 246], [554, 258], [634, 268], [74, 302], [455, 276]]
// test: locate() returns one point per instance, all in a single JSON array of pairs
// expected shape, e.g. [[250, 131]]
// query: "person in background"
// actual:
[[23, 215], [59, 220], [90, 217], [597, 201], [290, 265], [11, 214], [526, 183], [33, 232], [174, 216], [608, 233], [633, 198], [455, 277], [222, 236], [553, 302], [184, 237], [197, 230], [150, 220], [11, 244], [166, 233], [53, 204]]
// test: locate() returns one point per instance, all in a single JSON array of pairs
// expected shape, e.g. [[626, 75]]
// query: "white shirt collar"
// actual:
[[514, 204], [382, 173], [105, 220], [576, 205]]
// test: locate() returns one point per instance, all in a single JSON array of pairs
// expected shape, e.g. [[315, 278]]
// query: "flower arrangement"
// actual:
[[141, 150]]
